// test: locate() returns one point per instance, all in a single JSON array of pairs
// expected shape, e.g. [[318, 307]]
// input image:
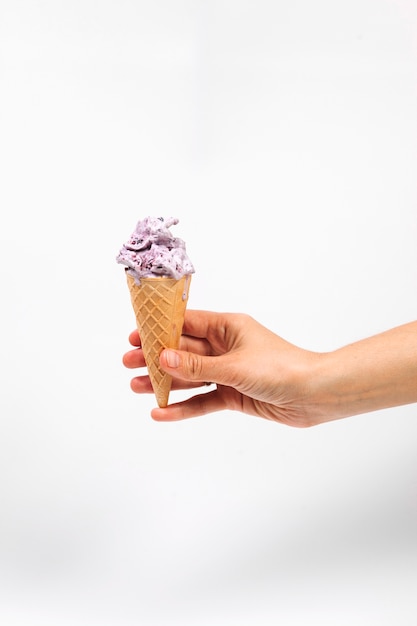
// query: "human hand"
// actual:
[[255, 371]]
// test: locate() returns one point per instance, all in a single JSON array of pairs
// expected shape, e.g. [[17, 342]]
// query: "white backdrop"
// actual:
[[283, 136]]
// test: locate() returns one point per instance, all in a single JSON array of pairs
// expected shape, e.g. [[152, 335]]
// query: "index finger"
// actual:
[[196, 324], [199, 323]]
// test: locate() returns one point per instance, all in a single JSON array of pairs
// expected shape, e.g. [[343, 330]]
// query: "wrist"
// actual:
[[336, 390]]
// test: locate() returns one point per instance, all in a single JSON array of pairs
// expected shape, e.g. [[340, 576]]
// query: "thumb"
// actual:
[[193, 367]]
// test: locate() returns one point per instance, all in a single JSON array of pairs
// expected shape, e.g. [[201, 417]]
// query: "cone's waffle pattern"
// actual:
[[159, 305]]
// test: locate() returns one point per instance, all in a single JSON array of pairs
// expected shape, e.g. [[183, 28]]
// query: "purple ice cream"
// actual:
[[152, 251]]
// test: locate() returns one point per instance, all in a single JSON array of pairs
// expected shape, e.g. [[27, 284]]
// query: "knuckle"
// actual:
[[195, 366]]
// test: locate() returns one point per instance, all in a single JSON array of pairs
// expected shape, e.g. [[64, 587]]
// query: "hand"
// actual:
[[258, 373], [255, 371]]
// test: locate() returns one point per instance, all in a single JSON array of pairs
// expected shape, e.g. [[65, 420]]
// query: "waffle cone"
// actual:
[[159, 304]]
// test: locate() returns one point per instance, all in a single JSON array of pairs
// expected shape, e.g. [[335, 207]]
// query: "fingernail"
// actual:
[[173, 360]]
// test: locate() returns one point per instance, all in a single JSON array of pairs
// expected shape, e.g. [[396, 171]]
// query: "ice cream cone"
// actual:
[[159, 304]]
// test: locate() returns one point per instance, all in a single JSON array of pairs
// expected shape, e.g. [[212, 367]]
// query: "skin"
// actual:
[[257, 372]]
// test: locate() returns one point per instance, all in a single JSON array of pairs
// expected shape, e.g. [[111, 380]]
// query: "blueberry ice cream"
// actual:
[[153, 251]]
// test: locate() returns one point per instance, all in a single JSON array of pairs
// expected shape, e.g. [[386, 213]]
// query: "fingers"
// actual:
[[202, 325], [195, 367], [217, 400], [198, 323], [196, 406], [134, 359], [190, 366], [142, 384], [134, 339], [187, 342]]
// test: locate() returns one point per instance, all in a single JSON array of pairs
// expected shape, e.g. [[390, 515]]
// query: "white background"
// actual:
[[283, 136]]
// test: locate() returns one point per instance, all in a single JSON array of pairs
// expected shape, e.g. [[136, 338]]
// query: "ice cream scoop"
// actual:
[[152, 250]]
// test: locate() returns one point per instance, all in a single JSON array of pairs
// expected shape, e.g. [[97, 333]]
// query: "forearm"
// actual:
[[371, 374]]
